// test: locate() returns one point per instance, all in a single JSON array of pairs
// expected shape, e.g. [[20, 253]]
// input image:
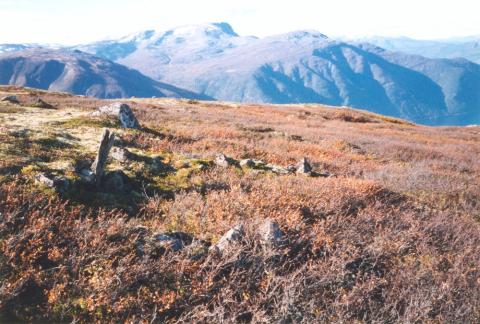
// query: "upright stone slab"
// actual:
[[106, 143]]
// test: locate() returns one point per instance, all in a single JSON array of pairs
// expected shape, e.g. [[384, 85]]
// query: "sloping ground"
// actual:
[[391, 235]]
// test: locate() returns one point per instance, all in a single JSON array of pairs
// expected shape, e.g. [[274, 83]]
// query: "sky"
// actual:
[[82, 21]]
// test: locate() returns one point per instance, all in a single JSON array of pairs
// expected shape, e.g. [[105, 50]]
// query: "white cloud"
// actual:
[[81, 21]]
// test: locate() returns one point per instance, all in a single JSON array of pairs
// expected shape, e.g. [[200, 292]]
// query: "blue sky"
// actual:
[[75, 21]]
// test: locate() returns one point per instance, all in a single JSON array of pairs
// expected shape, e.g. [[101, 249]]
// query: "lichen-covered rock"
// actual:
[[270, 233], [167, 242], [234, 235], [10, 99], [221, 160], [60, 184], [304, 167], [249, 163], [122, 155], [123, 112], [39, 103]]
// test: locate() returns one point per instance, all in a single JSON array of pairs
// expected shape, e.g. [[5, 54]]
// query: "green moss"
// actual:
[[88, 122]]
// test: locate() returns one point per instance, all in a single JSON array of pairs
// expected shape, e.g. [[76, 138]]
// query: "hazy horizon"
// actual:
[[70, 23]]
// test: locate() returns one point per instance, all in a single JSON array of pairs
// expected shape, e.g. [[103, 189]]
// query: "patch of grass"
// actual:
[[89, 122]]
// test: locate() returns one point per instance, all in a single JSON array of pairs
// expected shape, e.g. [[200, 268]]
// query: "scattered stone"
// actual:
[[39, 103], [60, 184], [106, 144], [222, 161], [249, 163], [114, 181], [270, 233], [10, 99], [232, 236], [44, 180], [120, 154], [123, 112], [167, 242], [278, 169], [87, 176], [304, 167]]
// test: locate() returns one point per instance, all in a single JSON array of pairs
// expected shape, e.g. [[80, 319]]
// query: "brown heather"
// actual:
[[392, 237]]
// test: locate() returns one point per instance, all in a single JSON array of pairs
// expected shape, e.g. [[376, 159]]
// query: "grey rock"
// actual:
[[249, 163], [87, 176], [304, 167], [167, 242], [270, 233], [120, 154], [221, 160], [43, 179], [233, 236], [39, 103], [278, 169], [100, 162], [123, 112], [60, 184], [114, 181], [10, 99]]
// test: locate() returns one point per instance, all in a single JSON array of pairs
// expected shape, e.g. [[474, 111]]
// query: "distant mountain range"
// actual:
[[80, 73], [299, 67], [468, 47]]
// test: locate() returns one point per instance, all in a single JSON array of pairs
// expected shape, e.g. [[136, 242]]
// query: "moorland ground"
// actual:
[[391, 234]]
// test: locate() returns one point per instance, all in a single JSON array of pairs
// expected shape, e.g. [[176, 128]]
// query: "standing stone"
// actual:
[[304, 167], [106, 144]]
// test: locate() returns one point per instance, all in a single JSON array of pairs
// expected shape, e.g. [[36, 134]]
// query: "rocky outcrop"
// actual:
[[121, 111], [233, 236]]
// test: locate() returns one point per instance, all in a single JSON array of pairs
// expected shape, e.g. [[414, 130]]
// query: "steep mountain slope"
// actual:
[[468, 48], [80, 73], [303, 66]]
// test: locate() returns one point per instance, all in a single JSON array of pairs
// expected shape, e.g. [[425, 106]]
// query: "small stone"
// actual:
[[10, 99], [87, 175], [270, 233], [221, 160], [249, 163], [120, 154], [167, 242], [228, 239], [304, 167], [60, 184], [44, 180], [114, 181], [39, 103], [278, 169]]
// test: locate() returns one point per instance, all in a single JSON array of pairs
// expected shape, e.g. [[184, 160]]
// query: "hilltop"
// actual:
[[80, 73], [385, 227]]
